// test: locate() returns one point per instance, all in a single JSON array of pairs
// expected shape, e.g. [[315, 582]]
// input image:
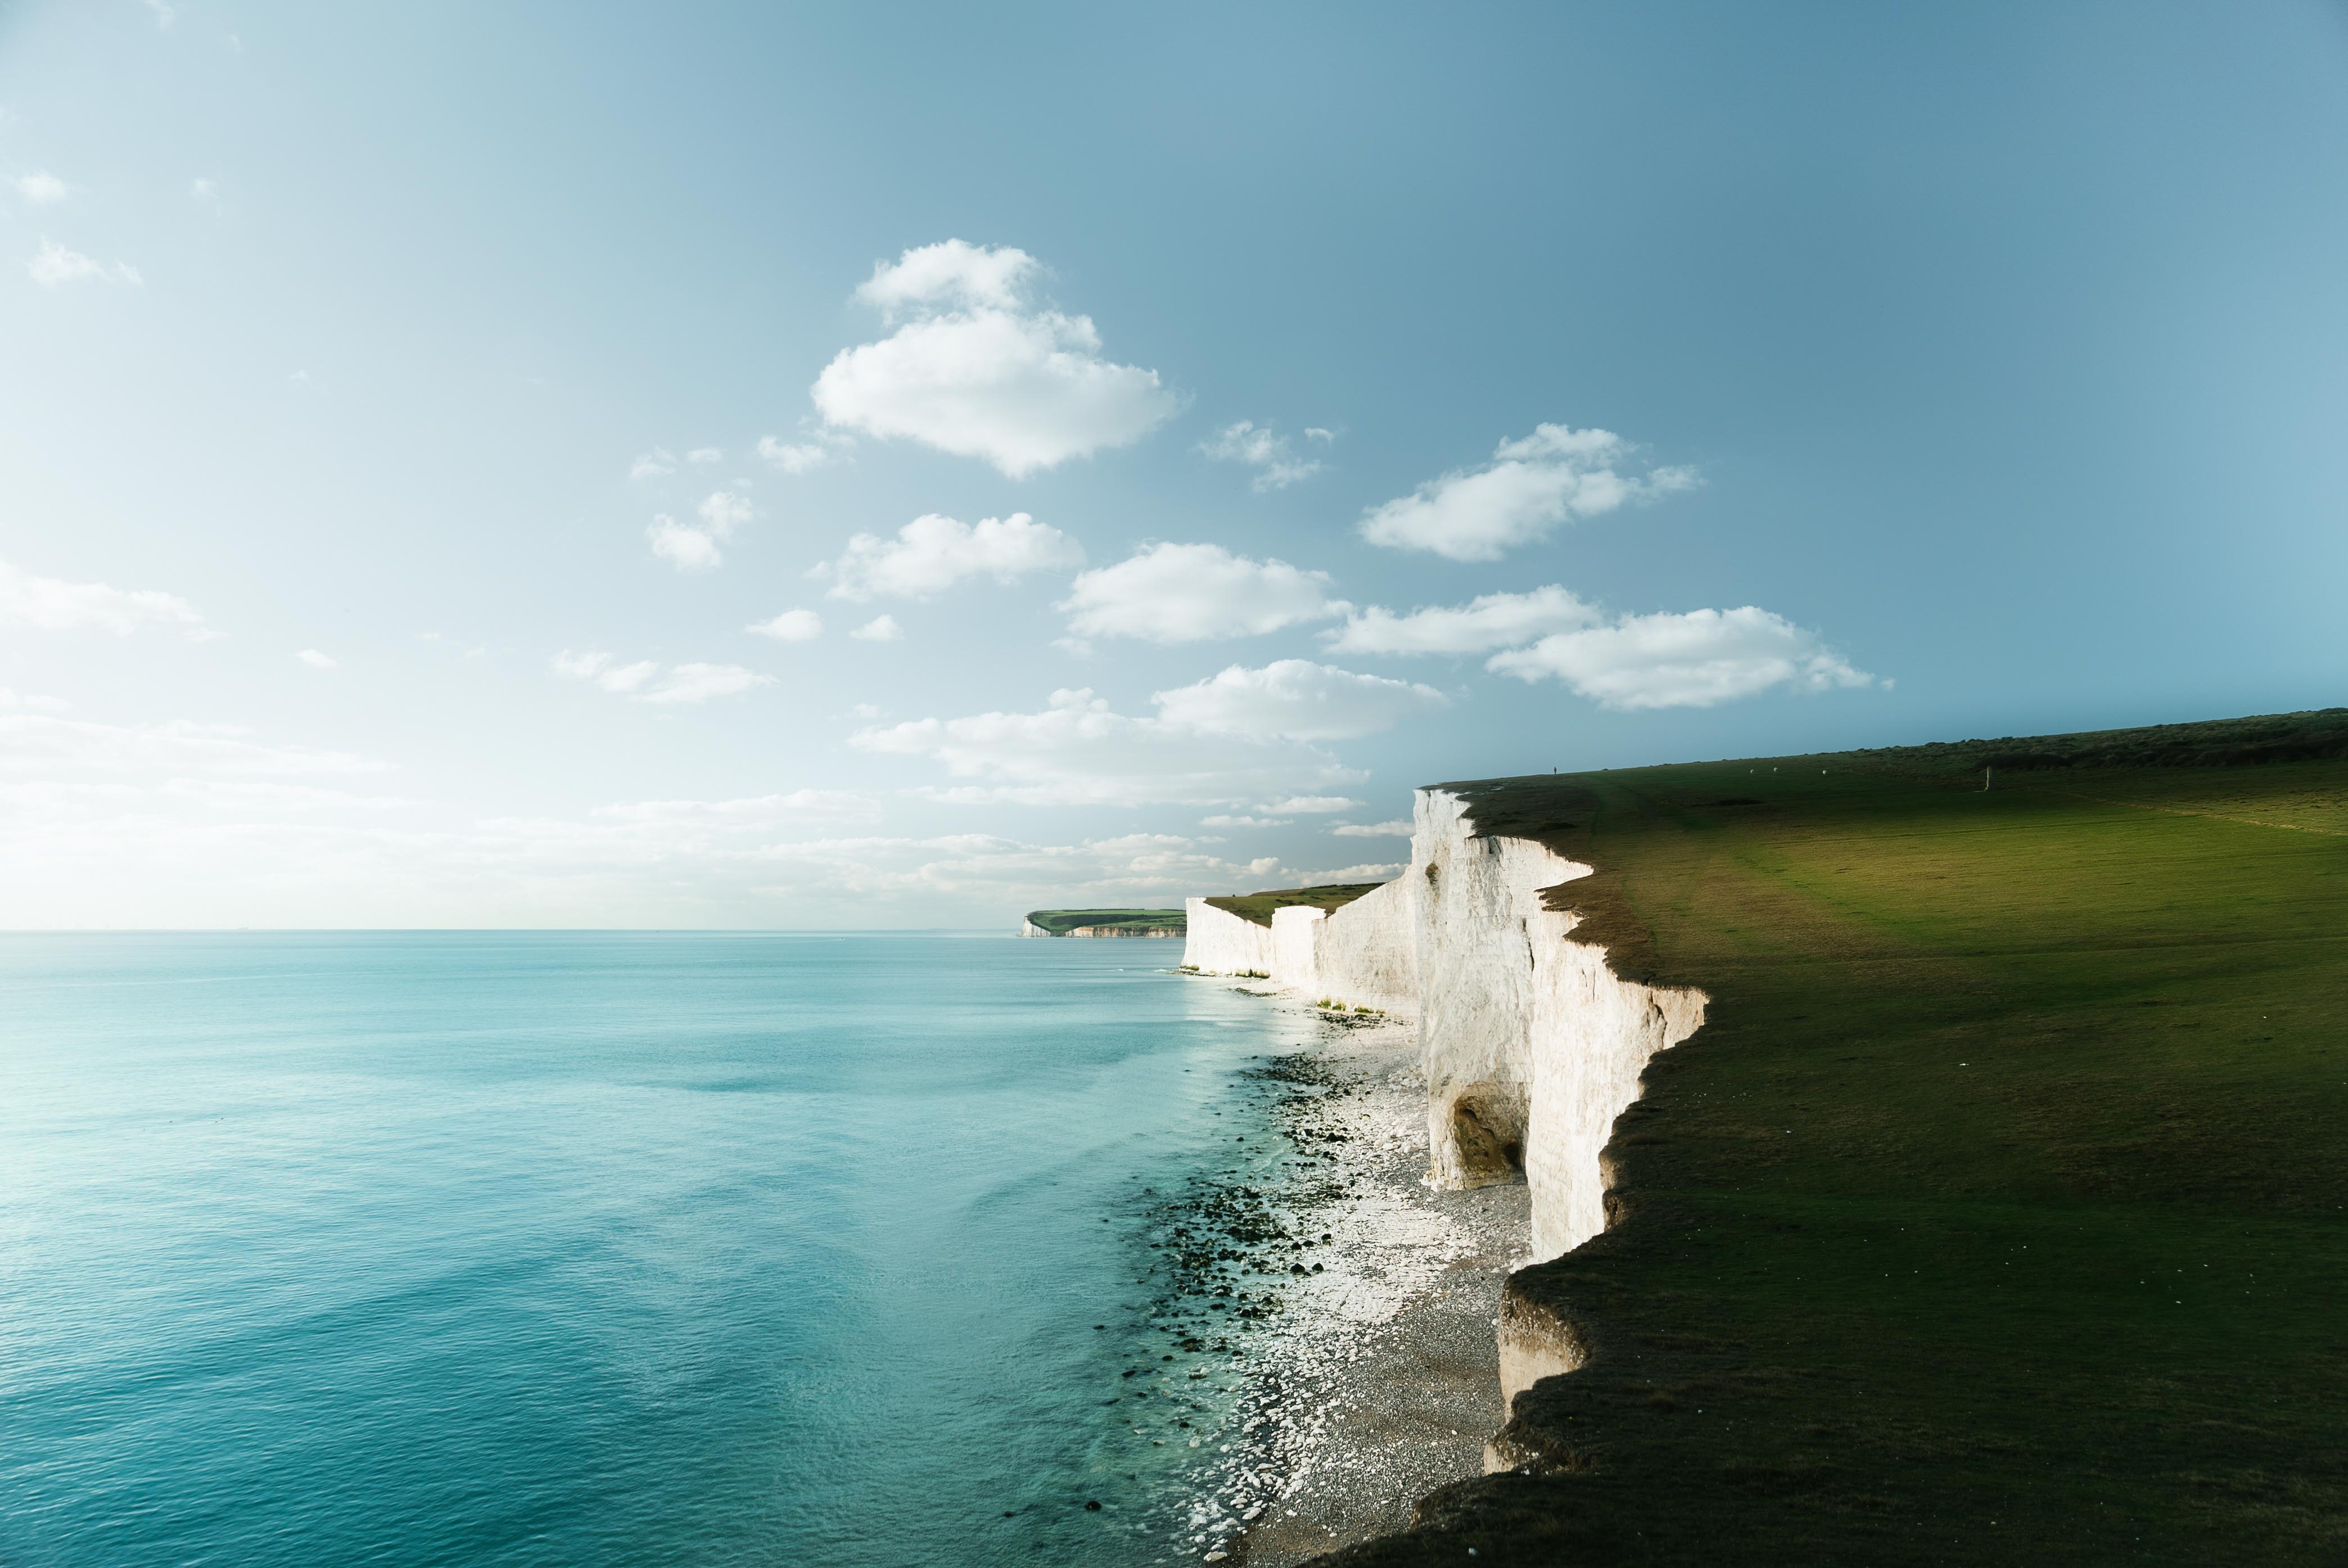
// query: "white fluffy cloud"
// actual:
[[40, 186], [647, 680], [880, 629], [932, 554], [1076, 752], [1400, 827], [978, 369], [1193, 592], [1528, 488], [952, 275], [653, 464], [52, 604], [683, 546], [1227, 821], [790, 626], [1695, 659], [1492, 621], [1296, 698], [1276, 463], [702, 457], [53, 265]]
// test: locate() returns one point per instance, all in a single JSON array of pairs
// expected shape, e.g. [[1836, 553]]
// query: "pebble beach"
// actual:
[[1377, 1378]]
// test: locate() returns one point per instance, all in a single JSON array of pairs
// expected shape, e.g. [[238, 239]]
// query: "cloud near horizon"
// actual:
[[53, 605], [1531, 486], [1698, 658], [975, 367], [1076, 751], [1295, 699]]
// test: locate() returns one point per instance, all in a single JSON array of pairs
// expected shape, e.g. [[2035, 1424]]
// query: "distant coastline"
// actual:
[[1136, 922]]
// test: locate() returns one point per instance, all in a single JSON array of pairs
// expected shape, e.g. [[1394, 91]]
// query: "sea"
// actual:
[[594, 1248]]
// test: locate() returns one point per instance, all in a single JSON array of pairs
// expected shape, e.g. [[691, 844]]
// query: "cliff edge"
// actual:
[[1990, 1215]]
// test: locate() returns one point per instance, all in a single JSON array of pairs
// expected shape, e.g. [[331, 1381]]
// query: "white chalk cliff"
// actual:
[[1531, 1046]]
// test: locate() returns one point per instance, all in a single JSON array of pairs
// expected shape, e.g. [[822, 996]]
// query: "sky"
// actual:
[[868, 465]]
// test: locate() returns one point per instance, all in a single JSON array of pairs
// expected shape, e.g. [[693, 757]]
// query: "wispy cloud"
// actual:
[[806, 455], [54, 266], [31, 742], [1276, 463], [1310, 805], [40, 186], [1078, 751], [53, 605], [689, 548], [647, 680], [1492, 621], [318, 661]]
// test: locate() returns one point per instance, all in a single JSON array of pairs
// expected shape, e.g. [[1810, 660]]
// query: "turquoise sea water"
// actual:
[[589, 1248]]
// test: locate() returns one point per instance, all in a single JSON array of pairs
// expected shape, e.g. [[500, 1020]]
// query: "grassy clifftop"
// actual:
[[1257, 906], [1998, 1212]]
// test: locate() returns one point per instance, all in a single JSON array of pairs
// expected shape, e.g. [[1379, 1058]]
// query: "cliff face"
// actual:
[[1220, 943], [1533, 1046], [1362, 954]]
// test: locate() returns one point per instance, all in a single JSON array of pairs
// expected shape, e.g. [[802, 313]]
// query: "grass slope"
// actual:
[[1257, 906], [1060, 921], [1998, 1212]]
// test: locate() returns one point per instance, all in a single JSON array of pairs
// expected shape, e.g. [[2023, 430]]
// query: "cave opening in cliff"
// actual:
[[1487, 1129]]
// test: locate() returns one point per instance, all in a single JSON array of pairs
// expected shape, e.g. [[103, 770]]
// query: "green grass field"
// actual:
[[1257, 906], [1060, 921], [1998, 1212]]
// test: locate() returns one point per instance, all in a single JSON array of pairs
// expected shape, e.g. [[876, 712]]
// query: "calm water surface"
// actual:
[[583, 1249]]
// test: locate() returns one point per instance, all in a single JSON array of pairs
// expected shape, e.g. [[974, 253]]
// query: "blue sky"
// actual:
[[407, 414]]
